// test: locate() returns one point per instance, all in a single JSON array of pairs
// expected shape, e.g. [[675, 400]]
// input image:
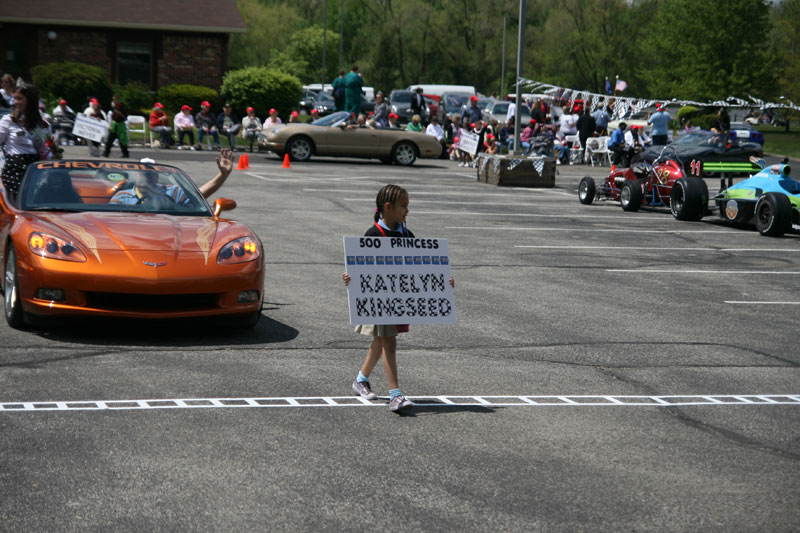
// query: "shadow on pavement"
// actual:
[[172, 333]]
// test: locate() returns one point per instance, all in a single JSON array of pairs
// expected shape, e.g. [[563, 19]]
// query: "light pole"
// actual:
[[503, 66], [341, 37], [324, 43], [520, 48]]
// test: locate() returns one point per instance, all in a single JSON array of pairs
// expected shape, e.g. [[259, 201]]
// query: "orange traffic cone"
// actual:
[[242, 164], [246, 160], [286, 161]]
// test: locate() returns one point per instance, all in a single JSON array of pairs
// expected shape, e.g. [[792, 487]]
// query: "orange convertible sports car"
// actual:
[[123, 239]]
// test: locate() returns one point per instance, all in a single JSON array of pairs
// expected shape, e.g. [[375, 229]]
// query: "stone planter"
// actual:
[[514, 171]]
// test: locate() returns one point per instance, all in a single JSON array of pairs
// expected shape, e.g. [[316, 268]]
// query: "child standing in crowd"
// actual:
[[390, 221]]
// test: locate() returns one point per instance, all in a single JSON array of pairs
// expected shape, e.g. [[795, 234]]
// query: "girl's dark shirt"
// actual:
[[373, 231]]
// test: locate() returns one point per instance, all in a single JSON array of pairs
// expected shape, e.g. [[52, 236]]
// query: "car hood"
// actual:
[[141, 232]]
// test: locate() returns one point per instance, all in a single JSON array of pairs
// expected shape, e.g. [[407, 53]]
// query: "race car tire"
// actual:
[[15, 316], [300, 148], [404, 154], [586, 191], [773, 214], [630, 198], [688, 199]]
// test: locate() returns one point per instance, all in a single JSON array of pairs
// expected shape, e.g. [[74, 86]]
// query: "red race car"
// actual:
[[662, 183]]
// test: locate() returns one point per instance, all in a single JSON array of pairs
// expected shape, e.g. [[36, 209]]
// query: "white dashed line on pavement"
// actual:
[[420, 401]]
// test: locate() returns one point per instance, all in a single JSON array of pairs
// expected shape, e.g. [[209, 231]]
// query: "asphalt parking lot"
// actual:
[[608, 371]]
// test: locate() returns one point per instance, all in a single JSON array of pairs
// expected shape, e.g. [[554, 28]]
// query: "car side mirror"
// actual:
[[223, 204]]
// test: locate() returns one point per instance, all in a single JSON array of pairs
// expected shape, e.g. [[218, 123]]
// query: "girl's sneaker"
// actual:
[[399, 402], [363, 389]]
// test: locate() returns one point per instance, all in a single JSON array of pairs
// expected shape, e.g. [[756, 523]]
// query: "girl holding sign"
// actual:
[[390, 217]]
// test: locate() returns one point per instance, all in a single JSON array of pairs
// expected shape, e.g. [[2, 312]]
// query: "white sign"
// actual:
[[467, 142], [89, 128], [399, 280]]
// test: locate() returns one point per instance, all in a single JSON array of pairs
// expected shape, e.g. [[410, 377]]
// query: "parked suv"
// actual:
[[400, 101]]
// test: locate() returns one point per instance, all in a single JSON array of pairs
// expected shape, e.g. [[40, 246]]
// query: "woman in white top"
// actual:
[[567, 124], [272, 120], [24, 138]]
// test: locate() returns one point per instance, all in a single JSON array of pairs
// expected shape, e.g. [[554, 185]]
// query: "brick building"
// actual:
[[155, 42]]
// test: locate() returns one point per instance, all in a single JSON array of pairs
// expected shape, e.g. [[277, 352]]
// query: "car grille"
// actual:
[[151, 302]]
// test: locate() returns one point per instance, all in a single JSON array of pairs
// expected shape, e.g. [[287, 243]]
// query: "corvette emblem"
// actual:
[[155, 265]]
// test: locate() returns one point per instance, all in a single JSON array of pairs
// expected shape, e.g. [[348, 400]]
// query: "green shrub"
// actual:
[[136, 96], [704, 121], [179, 94], [687, 113], [74, 82], [261, 88]]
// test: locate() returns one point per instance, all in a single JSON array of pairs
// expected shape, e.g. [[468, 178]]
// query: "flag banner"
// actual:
[[557, 92]]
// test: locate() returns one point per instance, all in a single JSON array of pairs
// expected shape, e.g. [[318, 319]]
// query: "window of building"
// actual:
[[134, 62]]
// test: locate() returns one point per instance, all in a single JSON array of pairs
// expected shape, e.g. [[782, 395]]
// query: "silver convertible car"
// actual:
[[331, 136]]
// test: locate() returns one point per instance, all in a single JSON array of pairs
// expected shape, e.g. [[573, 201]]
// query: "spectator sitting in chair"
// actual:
[[293, 117], [415, 124], [273, 119], [617, 144], [184, 125], [159, 124], [206, 125], [251, 125], [228, 124], [490, 146]]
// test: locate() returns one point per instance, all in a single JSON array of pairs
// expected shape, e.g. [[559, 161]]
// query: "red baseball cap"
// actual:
[[159, 105], [393, 115], [489, 136], [205, 104], [186, 108], [659, 107], [272, 110], [94, 101], [295, 114], [314, 112], [472, 125], [250, 109], [62, 102], [473, 98]]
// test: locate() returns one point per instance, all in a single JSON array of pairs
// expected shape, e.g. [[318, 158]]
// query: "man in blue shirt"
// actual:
[[660, 121], [617, 143], [601, 119]]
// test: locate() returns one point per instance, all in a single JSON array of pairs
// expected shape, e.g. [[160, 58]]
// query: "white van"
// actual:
[[369, 92], [439, 89]]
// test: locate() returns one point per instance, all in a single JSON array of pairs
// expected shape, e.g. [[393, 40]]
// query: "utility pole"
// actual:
[[520, 49], [324, 43], [503, 67], [341, 37]]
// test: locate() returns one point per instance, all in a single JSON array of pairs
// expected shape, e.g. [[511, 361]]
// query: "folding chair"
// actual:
[[575, 148], [602, 155], [136, 126]]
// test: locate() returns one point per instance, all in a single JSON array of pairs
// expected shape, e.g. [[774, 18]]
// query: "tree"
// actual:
[[786, 50], [705, 50], [268, 27], [305, 50]]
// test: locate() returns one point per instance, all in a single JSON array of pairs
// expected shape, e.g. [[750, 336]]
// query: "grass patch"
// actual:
[[778, 141]]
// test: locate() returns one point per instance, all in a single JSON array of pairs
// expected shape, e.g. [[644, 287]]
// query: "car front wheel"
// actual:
[[15, 316], [300, 149], [404, 154], [773, 214], [586, 191], [631, 195]]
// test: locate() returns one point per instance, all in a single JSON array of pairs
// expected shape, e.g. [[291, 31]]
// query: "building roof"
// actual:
[[214, 16]]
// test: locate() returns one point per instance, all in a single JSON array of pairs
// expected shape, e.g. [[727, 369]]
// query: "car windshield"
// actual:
[[323, 97], [454, 101], [401, 96], [110, 187], [700, 139], [332, 119], [500, 108]]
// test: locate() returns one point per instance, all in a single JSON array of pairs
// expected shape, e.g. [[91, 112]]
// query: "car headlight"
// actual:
[[238, 251], [45, 245]]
